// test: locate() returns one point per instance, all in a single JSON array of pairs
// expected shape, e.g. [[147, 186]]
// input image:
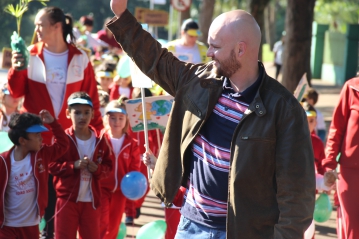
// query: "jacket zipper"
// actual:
[[3, 193], [116, 167], [78, 152], [93, 197], [231, 159], [38, 184]]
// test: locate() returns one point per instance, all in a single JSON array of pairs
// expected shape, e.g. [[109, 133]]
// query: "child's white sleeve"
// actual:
[[319, 183]]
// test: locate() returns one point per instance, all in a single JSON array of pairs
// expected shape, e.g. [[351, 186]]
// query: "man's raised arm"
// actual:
[[118, 7]]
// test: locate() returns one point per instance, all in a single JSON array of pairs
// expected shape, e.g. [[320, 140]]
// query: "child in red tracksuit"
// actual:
[[324, 180], [78, 172], [125, 158], [24, 174]]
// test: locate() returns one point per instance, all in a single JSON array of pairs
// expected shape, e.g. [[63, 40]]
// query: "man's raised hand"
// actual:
[[118, 6]]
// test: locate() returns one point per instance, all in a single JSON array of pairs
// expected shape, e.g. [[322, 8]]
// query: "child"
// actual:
[[318, 147], [9, 105], [78, 172], [325, 182], [104, 76], [125, 158], [312, 99], [133, 208], [123, 81], [24, 174], [104, 98]]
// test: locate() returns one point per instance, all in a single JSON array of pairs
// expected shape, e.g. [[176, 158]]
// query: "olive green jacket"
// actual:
[[271, 188]]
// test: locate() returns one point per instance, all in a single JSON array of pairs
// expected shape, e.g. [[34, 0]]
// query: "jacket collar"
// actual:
[[71, 132], [257, 105], [38, 49], [354, 84]]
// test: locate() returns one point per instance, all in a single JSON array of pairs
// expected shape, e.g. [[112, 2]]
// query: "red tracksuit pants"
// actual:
[[30, 232], [112, 209], [72, 216], [348, 211]]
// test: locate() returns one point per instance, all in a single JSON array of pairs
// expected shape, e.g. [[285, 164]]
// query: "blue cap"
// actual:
[[116, 110], [37, 128], [6, 91], [79, 101]]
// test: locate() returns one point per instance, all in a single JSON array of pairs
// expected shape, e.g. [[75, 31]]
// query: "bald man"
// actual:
[[236, 138]]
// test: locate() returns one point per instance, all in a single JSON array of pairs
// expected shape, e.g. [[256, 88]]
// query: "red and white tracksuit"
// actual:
[[70, 214], [154, 141], [31, 83], [343, 138], [39, 161], [113, 201]]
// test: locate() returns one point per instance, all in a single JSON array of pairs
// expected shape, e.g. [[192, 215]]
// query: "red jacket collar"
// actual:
[[38, 49], [354, 83], [70, 131]]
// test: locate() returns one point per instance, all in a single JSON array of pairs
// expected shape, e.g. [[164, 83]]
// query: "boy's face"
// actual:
[[105, 83], [11, 102], [80, 115], [33, 141], [310, 101], [312, 123]]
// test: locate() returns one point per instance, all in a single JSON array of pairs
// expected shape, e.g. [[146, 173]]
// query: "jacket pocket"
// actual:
[[192, 107], [259, 139]]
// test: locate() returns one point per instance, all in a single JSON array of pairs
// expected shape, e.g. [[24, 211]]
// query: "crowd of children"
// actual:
[[88, 165]]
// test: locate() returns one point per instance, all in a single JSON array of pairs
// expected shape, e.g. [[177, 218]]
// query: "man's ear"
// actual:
[[68, 113], [242, 47], [93, 114]]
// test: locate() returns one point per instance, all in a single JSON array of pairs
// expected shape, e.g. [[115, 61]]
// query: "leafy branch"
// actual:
[[20, 9]]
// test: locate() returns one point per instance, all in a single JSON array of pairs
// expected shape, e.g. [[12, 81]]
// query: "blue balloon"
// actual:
[[134, 185]]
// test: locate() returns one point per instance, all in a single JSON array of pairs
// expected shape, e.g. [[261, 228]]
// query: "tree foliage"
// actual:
[[336, 13]]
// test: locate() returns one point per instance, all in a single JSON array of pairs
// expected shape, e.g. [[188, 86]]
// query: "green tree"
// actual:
[[336, 13]]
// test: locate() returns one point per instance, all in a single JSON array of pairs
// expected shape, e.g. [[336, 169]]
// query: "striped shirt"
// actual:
[[207, 189]]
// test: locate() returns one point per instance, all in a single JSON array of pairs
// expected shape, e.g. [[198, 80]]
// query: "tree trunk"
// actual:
[[185, 15], [269, 24], [205, 18], [257, 10], [296, 58]]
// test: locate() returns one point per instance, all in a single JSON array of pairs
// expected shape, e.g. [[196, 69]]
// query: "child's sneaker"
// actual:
[[129, 221], [138, 212]]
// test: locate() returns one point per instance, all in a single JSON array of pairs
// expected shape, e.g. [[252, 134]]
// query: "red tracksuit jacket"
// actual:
[[39, 161], [31, 83], [67, 178], [128, 160]]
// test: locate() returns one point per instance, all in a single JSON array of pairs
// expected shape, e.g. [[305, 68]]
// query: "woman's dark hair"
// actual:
[[18, 125], [57, 15]]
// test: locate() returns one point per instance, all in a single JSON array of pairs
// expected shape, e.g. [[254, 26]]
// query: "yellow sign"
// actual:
[[157, 18], [6, 58]]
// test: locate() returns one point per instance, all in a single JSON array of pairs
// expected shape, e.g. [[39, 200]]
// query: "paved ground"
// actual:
[[152, 209]]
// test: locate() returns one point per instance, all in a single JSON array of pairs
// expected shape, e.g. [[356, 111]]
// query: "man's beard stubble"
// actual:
[[229, 66]]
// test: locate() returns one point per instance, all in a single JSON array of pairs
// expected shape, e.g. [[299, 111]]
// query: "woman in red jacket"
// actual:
[[56, 70], [125, 157], [343, 139]]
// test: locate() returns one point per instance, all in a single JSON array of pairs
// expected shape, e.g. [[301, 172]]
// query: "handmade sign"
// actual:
[[158, 109]]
